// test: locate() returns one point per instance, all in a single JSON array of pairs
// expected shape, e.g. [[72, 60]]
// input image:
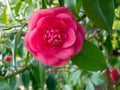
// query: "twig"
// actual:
[[19, 71], [9, 27]]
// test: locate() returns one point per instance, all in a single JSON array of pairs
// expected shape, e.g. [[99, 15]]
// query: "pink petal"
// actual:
[[50, 60], [46, 22], [64, 16], [59, 10], [70, 38], [59, 24], [33, 39], [32, 22], [65, 53], [81, 30], [79, 43], [67, 20], [27, 44]]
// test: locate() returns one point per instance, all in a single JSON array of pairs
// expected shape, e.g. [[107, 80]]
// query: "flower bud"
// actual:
[[114, 75], [8, 58]]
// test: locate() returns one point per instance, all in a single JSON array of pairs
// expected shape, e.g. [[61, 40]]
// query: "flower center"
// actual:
[[54, 37]]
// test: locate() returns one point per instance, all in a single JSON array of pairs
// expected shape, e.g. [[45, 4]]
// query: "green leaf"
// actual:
[[4, 16], [67, 87], [98, 79], [61, 2], [4, 85], [51, 82], [15, 43], [101, 12], [13, 84], [113, 61], [20, 50], [75, 77], [90, 58], [74, 6], [17, 6], [118, 32], [26, 78], [27, 59], [89, 86], [44, 4], [108, 44], [38, 71], [35, 84]]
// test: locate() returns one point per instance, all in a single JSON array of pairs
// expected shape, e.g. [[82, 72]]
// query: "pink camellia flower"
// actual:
[[8, 58], [54, 36], [114, 75]]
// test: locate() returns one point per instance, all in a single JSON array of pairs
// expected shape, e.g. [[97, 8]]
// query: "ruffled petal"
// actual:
[[33, 40], [81, 30], [59, 10], [27, 44], [46, 22], [70, 38], [78, 43], [60, 25], [50, 60], [70, 23], [32, 22], [65, 53]]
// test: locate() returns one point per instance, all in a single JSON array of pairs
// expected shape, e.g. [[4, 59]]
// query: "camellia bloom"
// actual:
[[8, 58], [54, 36], [114, 75]]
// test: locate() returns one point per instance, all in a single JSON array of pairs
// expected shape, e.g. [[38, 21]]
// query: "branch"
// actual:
[[10, 27], [18, 72]]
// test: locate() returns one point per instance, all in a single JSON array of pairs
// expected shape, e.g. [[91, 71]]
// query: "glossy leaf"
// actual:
[[98, 79], [89, 86], [38, 71], [35, 84], [26, 78], [108, 44], [75, 77], [90, 58], [101, 12], [67, 87], [13, 83], [4, 85], [15, 43], [3, 17], [61, 2], [44, 4], [51, 82], [17, 6], [113, 61], [74, 6]]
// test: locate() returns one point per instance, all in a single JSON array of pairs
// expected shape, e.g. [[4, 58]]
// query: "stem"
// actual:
[[18, 72], [10, 27]]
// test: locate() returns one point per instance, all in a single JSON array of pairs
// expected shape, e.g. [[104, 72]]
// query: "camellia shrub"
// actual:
[[59, 45]]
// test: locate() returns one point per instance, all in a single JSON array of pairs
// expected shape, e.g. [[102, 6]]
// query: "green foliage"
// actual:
[[51, 82], [108, 44], [3, 17], [100, 50], [13, 83], [17, 7], [15, 43], [90, 58], [74, 6], [26, 78], [38, 71], [75, 77], [101, 12], [98, 79], [4, 85], [89, 86]]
